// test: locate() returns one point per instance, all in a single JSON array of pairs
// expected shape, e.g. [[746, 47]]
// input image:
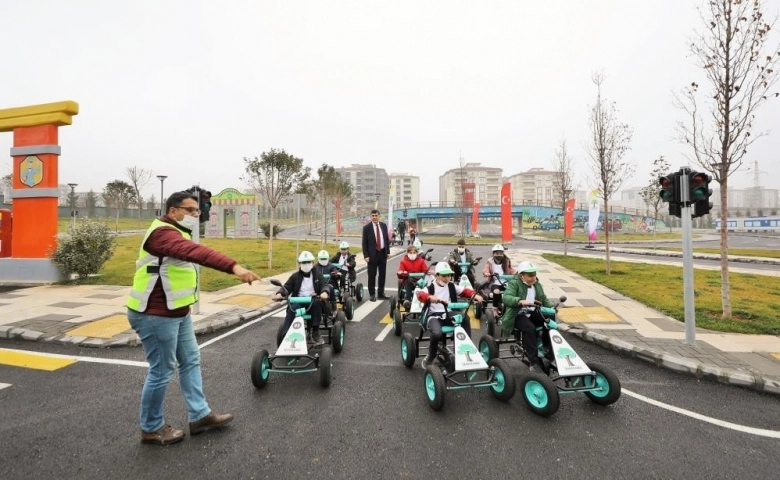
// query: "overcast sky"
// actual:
[[188, 88]]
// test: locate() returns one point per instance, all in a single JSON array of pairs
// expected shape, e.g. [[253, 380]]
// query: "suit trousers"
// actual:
[[377, 264]]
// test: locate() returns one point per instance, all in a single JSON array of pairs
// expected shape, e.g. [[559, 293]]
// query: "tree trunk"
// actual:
[[655, 228], [271, 241], [607, 228], [138, 197], [117, 220], [725, 289]]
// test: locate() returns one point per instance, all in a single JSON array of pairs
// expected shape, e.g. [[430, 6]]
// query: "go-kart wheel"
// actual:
[[539, 393], [488, 348], [434, 387], [359, 292], [398, 323], [607, 389], [490, 322], [478, 310], [260, 369], [504, 387], [280, 334], [325, 367], [393, 304], [349, 308], [337, 336], [341, 317], [408, 350]]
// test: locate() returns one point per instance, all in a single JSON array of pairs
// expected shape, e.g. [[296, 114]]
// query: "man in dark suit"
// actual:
[[376, 249]]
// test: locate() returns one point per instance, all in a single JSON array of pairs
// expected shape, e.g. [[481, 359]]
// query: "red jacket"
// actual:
[[168, 242], [423, 294], [416, 266]]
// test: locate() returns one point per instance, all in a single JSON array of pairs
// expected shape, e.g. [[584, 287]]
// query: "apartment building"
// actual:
[[407, 189], [472, 182], [369, 185], [536, 186]]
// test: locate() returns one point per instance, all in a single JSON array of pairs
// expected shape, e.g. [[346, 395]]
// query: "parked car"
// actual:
[[550, 225]]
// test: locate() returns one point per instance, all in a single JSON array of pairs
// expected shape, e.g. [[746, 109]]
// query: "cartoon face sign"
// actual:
[[31, 171]]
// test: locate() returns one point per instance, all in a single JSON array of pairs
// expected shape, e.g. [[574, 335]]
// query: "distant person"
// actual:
[[461, 254], [402, 230], [376, 250], [164, 287]]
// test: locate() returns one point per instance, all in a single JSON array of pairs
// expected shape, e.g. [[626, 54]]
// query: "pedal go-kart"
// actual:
[[396, 303], [412, 316], [492, 309], [458, 365], [295, 354], [464, 267], [355, 290], [566, 372], [341, 295], [333, 326]]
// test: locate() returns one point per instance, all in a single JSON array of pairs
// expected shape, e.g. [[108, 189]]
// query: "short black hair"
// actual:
[[176, 199], [374, 211], [461, 242]]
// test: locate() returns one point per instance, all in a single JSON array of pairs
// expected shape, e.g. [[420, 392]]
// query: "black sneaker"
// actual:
[[316, 339], [407, 305], [424, 363]]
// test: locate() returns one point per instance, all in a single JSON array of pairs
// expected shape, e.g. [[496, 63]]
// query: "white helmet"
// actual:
[[498, 247], [343, 245], [305, 256], [323, 255]]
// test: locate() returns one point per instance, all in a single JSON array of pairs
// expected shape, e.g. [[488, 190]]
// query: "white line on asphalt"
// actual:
[[240, 327], [384, 332], [4, 385], [110, 361], [366, 309], [721, 423]]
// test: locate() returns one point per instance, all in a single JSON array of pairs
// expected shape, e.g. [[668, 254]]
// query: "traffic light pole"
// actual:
[[685, 217]]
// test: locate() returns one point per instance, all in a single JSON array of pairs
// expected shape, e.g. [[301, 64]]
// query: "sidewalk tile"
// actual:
[[587, 315], [103, 328], [247, 300]]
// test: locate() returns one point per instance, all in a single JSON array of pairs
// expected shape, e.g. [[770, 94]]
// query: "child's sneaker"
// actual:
[[316, 339]]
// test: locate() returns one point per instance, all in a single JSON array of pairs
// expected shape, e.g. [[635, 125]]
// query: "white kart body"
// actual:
[[467, 357], [294, 342], [568, 362]]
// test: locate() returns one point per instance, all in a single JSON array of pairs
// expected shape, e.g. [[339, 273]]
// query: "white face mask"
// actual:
[[412, 256], [306, 268], [461, 250], [189, 222], [324, 263]]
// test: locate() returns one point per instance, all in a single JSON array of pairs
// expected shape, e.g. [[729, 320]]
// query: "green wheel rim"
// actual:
[[341, 336], [602, 386], [265, 369], [500, 381], [404, 351], [485, 351], [536, 394], [430, 387]]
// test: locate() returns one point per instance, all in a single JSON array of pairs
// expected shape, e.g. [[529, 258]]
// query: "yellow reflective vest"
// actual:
[[179, 278]]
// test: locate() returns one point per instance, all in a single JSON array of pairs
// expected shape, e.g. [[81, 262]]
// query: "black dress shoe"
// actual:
[[383, 297], [373, 298]]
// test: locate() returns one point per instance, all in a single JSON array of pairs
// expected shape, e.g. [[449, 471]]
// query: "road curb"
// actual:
[[699, 256], [701, 371]]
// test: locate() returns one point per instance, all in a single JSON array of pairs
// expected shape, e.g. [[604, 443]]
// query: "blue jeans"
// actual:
[[167, 341]]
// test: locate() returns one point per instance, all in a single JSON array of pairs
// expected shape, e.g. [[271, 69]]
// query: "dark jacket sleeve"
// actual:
[[289, 285], [168, 242], [387, 240], [365, 238]]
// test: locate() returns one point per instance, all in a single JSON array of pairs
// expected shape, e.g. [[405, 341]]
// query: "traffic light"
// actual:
[[205, 205], [670, 193], [406, 213], [699, 184]]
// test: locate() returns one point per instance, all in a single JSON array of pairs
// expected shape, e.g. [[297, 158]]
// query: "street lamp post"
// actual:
[[73, 204], [162, 204], [376, 204]]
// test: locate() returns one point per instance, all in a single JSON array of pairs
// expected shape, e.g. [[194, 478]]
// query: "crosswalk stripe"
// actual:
[[4, 385]]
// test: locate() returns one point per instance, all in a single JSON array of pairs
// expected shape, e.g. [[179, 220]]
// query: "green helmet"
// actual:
[[305, 256]]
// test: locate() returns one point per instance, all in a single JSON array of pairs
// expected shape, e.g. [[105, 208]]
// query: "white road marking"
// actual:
[[110, 361], [4, 385], [241, 327], [366, 309], [384, 332], [721, 423]]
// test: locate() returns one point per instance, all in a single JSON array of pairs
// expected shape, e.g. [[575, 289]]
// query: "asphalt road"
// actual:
[[373, 421]]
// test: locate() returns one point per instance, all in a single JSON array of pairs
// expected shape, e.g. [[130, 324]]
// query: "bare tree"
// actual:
[[563, 181], [740, 67], [139, 177], [609, 142], [650, 192], [118, 194], [274, 175]]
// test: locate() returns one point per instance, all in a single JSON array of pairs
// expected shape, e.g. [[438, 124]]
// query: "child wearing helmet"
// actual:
[[462, 254], [346, 259], [411, 263], [306, 281], [325, 267], [525, 290], [498, 264], [442, 290]]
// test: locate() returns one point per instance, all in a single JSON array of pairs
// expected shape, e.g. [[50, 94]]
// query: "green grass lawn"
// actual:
[[251, 253], [740, 252], [755, 299]]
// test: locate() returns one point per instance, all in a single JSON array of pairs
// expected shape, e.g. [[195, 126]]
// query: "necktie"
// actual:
[[378, 238]]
